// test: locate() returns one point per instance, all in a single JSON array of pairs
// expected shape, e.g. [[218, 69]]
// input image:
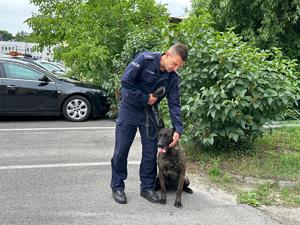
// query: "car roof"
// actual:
[[24, 61], [15, 59]]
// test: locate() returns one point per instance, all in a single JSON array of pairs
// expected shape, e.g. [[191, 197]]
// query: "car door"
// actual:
[[1, 91], [23, 92]]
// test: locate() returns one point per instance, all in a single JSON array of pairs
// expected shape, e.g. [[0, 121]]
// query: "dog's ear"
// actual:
[[161, 123]]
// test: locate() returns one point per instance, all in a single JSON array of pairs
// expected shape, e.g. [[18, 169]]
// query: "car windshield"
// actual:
[[51, 66], [62, 77]]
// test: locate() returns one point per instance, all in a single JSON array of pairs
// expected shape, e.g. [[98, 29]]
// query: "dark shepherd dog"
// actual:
[[171, 165]]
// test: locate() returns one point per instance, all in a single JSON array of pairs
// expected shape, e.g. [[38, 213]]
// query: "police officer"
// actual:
[[147, 72]]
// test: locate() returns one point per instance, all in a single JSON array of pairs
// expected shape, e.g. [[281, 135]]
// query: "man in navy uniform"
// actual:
[[147, 72]]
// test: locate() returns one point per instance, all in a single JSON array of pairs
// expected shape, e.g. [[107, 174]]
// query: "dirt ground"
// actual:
[[284, 215]]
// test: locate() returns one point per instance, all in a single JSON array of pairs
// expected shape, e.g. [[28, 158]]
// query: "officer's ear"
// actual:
[[167, 54]]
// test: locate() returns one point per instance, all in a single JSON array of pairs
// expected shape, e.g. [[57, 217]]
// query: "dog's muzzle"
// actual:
[[161, 148]]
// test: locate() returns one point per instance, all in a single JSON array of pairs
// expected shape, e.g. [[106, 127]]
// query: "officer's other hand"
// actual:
[[152, 99], [176, 138]]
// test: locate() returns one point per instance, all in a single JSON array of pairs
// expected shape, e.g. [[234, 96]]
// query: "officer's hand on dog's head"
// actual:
[[152, 99], [176, 138]]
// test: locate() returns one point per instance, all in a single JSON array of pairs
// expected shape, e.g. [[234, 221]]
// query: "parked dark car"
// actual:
[[27, 89]]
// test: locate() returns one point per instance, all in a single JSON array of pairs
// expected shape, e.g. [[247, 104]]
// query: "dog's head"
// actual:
[[165, 137]]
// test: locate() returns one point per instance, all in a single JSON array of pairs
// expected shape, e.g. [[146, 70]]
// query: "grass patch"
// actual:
[[281, 139], [270, 193], [275, 156], [290, 196], [260, 196], [216, 174]]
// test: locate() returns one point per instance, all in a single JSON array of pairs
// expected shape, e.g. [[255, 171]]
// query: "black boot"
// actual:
[[119, 196], [150, 195]]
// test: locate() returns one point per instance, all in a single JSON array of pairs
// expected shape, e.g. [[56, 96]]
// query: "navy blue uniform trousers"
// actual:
[[126, 128]]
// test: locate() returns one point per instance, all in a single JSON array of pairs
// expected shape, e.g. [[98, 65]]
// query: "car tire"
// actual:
[[76, 108]]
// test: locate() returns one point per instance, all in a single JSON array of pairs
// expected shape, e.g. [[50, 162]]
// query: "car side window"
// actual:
[[16, 71]]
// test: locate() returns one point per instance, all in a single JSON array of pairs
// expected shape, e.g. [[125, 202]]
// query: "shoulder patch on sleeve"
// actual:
[[149, 56], [135, 64]]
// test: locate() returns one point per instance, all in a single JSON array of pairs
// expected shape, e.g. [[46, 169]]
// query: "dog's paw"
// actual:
[[178, 205], [163, 201]]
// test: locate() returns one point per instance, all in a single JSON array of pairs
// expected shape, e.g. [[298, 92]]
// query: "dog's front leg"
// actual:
[[163, 198], [178, 203]]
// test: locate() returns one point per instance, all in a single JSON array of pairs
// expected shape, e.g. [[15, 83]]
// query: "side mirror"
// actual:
[[44, 78]]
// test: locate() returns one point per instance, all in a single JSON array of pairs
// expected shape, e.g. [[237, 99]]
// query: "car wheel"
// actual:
[[76, 108]]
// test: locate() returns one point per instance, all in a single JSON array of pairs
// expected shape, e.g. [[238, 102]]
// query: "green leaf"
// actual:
[[213, 114], [234, 136], [243, 92], [270, 100]]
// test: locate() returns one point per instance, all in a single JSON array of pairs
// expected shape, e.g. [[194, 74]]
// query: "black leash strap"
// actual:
[[159, 92]]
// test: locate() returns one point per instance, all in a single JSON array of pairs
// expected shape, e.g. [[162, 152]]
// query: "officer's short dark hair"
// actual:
[[181, 50]]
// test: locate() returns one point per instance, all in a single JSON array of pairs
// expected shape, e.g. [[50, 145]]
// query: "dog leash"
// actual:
[[159, 92]]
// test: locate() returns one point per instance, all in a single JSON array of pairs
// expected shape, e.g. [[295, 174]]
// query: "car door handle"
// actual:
[[11, 86]]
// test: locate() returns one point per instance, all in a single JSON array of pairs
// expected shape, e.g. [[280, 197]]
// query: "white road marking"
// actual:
[[14, 167], [57, 128]]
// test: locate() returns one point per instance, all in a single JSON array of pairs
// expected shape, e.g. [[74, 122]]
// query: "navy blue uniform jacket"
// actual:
[[142, 76]]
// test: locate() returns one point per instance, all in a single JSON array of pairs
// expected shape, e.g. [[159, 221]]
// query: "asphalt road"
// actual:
[[58, 172]]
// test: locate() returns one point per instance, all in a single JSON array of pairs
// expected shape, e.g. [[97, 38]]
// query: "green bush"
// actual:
[[229, 89]]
